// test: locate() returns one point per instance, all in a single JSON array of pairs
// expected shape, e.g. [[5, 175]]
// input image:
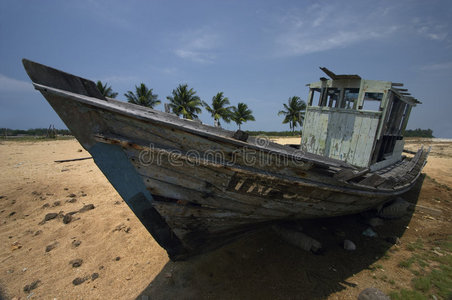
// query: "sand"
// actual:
[[120, 260]]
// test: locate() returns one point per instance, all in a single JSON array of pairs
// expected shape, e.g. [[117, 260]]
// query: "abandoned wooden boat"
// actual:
[[195, 187]]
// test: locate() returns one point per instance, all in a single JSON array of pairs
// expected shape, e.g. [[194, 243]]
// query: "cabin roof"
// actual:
[[338, 77], [396, 87]]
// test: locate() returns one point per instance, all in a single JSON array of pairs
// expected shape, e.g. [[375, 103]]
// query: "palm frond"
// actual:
[[143, 96], [293, 112], [105, 90], [185, 102]]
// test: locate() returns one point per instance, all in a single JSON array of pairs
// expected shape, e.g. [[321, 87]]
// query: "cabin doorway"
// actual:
[[393, 130]]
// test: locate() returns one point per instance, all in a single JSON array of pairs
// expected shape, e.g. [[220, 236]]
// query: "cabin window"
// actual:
[[332, 97], [315, 97], [350, 98], [372, 102]]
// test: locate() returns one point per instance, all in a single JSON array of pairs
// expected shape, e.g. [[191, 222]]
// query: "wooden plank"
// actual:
[[348, 135], [409, 151], [373, 180], [183, 141], [44, 75], [354, 140], [323, 127], [347, 174], [415, 159], [359, 157], [370, 141], [74, 159]]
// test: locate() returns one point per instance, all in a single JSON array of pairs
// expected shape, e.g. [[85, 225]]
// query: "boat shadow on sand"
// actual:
[[261, 265]]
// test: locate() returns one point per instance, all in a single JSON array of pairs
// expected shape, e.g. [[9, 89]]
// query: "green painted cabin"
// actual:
[[356, 120]]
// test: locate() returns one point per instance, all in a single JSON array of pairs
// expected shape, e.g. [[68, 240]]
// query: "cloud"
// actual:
[[198, 46], [333, 25], [105, 12], [330, 26], [431, 29], [8, 84], [437, 67]]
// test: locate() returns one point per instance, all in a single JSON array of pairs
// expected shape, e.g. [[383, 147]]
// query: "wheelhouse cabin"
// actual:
[[356, 120]]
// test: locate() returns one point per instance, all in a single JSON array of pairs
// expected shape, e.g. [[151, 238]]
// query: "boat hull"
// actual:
[[193, 186]]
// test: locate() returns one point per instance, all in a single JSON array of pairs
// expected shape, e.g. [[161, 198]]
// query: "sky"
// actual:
[[256, 52]]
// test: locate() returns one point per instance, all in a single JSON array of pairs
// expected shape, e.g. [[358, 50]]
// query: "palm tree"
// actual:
[[142, 96], [105, 90], [185, 102], [218, 110], [293, 112], [241, 114]]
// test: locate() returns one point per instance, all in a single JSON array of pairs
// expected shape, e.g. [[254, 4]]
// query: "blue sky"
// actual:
[[257, 52]]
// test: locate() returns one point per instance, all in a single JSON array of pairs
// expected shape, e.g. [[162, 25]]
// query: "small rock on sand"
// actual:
[[393, 240], [78, 281], [15, 246], [76, 243], [67, 218], [94, 276], [122, 227], [86, 208], [76, 262], [372, 294], [50, 216], [56, 203], [31, 286], [72, 195], [51, 246], [72, 200], [369, 232], [38, 232], [349, 245]]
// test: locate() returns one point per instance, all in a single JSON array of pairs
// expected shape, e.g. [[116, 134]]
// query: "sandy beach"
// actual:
[[66, 234]]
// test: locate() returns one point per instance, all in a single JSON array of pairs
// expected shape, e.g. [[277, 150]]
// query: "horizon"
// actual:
[[260, 54]]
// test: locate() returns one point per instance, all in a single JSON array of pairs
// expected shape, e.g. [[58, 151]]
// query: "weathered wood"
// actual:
[[348, 174], [409, 151], [51, 77], [373, 180], [191, 200], [428, 210], [73, 159]]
